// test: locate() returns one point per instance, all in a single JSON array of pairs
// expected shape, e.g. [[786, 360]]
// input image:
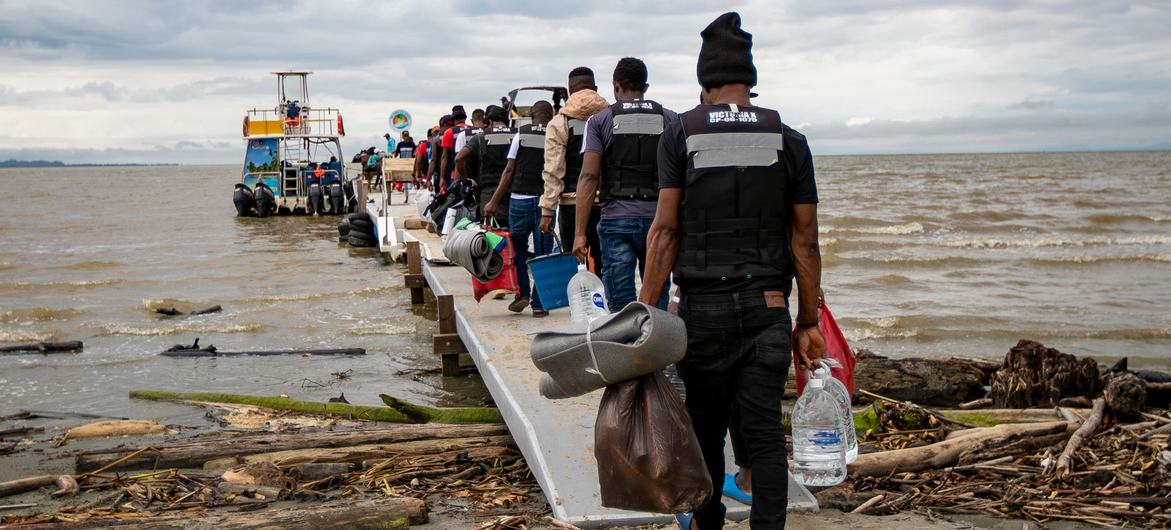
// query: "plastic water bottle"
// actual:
[[819, 448], [587, 297], [837, 389]]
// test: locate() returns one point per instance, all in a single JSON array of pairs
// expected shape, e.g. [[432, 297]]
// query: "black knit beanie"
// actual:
[[725, 57]]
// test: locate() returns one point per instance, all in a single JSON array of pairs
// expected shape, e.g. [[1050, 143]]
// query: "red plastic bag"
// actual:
[[507, 278], [648, 457], [835, 348]]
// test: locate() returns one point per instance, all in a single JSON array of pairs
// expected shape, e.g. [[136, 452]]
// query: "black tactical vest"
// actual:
[[573, 156], [629, 165], [493, 155], [530, 161], [735, 222]]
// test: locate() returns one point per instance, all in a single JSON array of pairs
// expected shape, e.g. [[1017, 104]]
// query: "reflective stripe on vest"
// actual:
[[638, 124], [495, 139], [532, 140], [735, 149]]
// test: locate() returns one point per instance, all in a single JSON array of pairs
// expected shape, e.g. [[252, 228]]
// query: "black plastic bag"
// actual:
[[648, 456]]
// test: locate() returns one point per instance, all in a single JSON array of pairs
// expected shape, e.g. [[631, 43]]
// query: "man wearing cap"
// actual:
[[488, 151], [737, 219], [563, 159], [619, 164]]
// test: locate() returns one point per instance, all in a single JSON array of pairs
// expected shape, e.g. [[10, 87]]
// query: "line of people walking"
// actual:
[[720, 200]]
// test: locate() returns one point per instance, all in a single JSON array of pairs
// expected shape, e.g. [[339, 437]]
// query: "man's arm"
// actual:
[[553, 172], [810, 345], [502, 189], [461, 160], [662, 245], [587, 189]]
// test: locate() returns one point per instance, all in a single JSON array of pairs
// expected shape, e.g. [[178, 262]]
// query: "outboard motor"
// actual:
[[265, 200], [316, 199], [337, 198], [351, 198], [245, 201]]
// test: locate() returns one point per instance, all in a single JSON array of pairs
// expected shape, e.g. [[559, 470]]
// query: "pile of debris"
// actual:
[[388, 474], [1106, 465]]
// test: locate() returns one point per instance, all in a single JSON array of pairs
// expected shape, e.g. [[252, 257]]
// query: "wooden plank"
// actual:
[[447, 343], [445, 307], [451, 365]]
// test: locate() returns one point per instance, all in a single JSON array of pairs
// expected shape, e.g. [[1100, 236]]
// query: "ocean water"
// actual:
[[924, 255], [89, 253]]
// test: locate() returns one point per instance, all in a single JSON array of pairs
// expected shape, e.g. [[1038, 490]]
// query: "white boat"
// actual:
[[293, 163]]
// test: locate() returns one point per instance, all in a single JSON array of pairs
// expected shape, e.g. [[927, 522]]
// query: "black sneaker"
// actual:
[[518, 304], [539, 312]]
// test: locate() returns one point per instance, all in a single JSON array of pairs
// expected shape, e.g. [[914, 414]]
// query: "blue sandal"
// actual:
[[733, 491], [684, 520]]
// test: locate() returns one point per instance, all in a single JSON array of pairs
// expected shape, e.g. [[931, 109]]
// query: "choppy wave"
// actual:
[[1058, 242], [385, 329], [917, 261], [903, 229], [59, 286], [37, 314], [884, 329], [1060, 260], [25, 335], [177, 328], [89, 265], [297, 297]]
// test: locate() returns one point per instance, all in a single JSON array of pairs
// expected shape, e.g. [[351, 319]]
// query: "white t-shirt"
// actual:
[[461, 140], [512, 151]]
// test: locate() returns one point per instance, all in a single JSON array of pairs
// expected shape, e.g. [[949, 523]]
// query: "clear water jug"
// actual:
[[587, 296], [837, 389], [819, 446]]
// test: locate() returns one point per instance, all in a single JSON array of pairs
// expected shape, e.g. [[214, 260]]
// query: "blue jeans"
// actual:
[[624, 249], [524, 219]]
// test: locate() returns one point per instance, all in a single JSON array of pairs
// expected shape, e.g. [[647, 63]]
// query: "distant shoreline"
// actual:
[[20, 164]]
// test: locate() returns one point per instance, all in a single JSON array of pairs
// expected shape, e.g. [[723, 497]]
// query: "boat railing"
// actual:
[[308, 122]]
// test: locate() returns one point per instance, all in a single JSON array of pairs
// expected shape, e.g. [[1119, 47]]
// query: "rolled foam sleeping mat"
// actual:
[[636, 341], [469, 249]]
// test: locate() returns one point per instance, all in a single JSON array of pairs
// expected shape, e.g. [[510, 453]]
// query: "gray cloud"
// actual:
[[919, 75]]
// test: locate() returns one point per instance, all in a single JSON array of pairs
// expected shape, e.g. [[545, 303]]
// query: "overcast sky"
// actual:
[[161, 81]]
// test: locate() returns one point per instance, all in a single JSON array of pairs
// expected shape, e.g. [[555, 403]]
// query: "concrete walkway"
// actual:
[[556, 437]]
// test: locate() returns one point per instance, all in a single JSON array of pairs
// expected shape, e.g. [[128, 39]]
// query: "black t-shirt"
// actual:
[[409, 145], [801, 189]]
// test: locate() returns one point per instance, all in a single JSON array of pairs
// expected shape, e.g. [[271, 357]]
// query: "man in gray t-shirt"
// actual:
[[619, 158]]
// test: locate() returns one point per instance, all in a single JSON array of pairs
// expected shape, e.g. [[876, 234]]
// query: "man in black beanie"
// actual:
[[736, 221]]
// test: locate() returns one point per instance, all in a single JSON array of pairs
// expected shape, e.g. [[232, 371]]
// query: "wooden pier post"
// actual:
[[414, 278], [447, 343]]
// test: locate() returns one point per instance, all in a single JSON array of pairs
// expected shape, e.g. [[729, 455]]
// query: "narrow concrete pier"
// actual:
[[556, 437]]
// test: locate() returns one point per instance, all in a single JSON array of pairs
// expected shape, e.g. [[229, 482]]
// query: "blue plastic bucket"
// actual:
[[551, 275]]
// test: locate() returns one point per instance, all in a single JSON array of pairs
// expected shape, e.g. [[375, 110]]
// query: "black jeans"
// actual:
[[567, 223], [738, 356]]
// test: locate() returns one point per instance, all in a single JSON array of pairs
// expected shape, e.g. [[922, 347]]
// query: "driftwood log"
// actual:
[[216, 353], [1126, 394], [44, 347], [948, 452], [1035, 376], [422, 414], [388, 513], [933, 382], [1083, 433], [194, 454], [66, 485], [483, 446]]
